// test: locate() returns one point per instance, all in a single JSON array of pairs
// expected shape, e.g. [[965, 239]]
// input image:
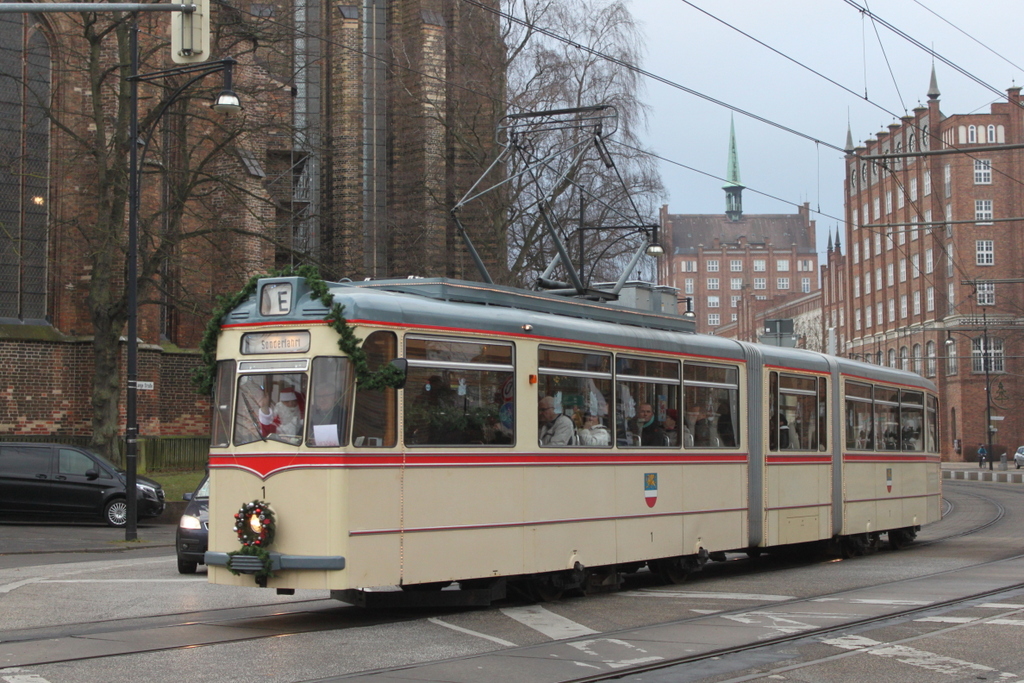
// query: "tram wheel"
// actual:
[[672, 569], [854, 545], [543, 589], [896, 539], [753, 553]]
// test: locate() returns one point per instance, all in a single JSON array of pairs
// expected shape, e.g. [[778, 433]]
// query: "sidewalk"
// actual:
[[31, 538]]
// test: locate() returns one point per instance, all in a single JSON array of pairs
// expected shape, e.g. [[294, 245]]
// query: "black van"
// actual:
[[50, 479]]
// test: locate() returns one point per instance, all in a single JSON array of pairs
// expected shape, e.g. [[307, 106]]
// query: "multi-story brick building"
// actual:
[[362, 124], [719, 260], [934, 262]]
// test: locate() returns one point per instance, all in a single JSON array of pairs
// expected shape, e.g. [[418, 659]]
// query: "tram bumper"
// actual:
[[250, 564]]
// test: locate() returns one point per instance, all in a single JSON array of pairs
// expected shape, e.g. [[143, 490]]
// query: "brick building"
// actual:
[[361, 124], [933, 263], [733, 262]]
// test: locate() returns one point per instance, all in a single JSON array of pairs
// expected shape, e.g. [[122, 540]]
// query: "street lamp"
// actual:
[[988, 382], [227, 102]]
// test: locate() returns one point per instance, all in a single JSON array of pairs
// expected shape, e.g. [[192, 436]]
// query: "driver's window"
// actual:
[[270, 406]]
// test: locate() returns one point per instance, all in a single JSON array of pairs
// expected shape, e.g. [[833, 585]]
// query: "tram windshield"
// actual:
[[270, 406]]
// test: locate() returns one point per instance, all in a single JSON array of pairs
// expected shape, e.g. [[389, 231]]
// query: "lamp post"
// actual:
[[227, 102], [986, 367]]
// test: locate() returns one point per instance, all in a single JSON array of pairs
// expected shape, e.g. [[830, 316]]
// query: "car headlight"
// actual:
[[190, 522], [148, 491]]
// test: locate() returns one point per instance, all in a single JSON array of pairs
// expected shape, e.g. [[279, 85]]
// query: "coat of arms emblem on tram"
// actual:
[[651, 488]]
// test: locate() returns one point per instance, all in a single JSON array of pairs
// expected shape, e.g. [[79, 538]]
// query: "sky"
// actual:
[[686, 46]]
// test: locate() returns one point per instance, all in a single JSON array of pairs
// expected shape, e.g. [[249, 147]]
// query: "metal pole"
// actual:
[[131, 426], [988, 387]]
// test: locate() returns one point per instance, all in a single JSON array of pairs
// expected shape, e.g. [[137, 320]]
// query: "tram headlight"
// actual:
[[255, 524]]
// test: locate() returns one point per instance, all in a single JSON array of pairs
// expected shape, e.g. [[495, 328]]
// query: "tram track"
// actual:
[[275, 620]]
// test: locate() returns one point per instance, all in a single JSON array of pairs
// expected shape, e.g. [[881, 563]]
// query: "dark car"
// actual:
[[194, 528], [52, 479]]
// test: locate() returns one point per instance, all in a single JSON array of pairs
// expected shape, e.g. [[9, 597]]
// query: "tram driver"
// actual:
[[284, 417], [556, 429]]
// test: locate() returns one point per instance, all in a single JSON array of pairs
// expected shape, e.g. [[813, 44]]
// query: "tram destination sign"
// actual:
[[275, 342]]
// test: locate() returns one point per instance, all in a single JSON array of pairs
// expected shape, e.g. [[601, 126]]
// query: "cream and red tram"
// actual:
[[673, 446]]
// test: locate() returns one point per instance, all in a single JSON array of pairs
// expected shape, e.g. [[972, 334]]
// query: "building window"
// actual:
[[984, 252], [689, 266], [867, 283], [712, 265], [995, 355], [734, 301], [929, 299], [856, 252], [888, 203], [878, 278], [888, 239], [915, 265], [949, 221], [904, 359], [992, 134], [714, 319], [903, 305], [760, 283], [951, 298], [878, 244], [712, 302], [930, 367], [928, 261], [982, 171], [856, 287], [736, 283], [890, 274], [903, 270], [918, 360], [854, 219], [760, 265], [877, 212], [760, 297], [892, 358], [712, 283], [913, 189], [856, 319], [805, 284], [688, 285], [867, 316], [733, 317], [892, 310], [736, 265], [947, 180], [952, 362], [982, 210], [986, 294], [878, 314], [24, 172], [901, 199], [927, 179], [782, 265], [917, 302], [782, 283], [972, 133]]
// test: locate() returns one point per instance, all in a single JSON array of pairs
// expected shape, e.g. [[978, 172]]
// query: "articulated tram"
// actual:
[[540, 439]]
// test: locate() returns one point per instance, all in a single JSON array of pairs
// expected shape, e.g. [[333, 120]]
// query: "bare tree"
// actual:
[[545, 73]]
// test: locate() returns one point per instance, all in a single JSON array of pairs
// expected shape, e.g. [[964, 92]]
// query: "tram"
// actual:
[[540, 439]]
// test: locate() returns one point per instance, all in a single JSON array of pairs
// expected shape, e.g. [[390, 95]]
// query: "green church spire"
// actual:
[[733, 187]]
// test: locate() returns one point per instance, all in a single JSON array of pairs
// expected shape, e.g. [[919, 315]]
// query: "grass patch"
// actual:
[[176, 483]]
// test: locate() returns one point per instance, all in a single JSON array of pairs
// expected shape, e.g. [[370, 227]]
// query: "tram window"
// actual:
[[329, 405], [911, 420], [375, 423], [647, 402], [270, 406], [887, 418], [458, 392], [798, 418], [860, 433], [931, 433], [579, 386], [711, 406], [220, 436]]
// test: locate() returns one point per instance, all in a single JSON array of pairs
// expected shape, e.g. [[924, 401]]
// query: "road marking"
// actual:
[[773, 620], [7, 588], [550, 624], [910, 655], [1000, 605], [1006, 622], [873, 601], [587, 647], [706, 611], [948, 620], [453, 627], [696, 595], [24, 678]]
